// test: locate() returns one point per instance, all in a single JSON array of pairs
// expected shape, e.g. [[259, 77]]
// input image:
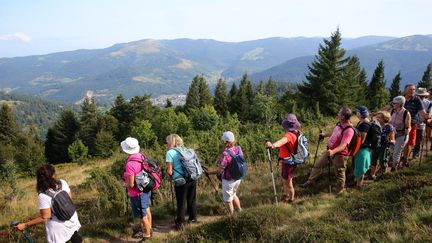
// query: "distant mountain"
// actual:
[[410, 55], [157, 67]]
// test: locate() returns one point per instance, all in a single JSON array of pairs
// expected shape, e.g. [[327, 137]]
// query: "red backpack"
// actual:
[[355, 143]]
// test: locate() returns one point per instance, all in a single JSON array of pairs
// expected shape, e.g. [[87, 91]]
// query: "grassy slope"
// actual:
[[384, 211]]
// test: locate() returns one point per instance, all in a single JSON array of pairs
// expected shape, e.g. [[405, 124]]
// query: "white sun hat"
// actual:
[[130, 145]]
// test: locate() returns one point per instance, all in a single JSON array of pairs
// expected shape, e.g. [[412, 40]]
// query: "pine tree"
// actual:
[[325, 81], [30, 154], [395, 86], [377, 93], [89, 124], [233, 106], [142, 108], [193, 95], [60, 136], [245, 98], [261, 89], [221, 98], [168, 103], [9, 130], [271, 87], [205, 97], [356, 83], [426, 81], [123, 112]]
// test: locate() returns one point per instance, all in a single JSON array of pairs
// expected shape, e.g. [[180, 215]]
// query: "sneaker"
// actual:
[[238, 210], [306, 184], [137, 235], [193, 221]]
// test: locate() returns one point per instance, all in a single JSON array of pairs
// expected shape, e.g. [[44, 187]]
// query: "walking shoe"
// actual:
[[238, 210], [193, 221], [146, 238], [137, 235], [306, 184]]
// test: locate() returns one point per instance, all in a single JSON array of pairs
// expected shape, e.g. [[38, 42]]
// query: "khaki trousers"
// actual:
[[339, 164]]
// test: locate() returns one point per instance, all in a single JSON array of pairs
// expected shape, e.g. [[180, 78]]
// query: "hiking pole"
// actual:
[[422, 145], [329, 171], [320, 138], [24, 232], [205, 170], [271, 172]]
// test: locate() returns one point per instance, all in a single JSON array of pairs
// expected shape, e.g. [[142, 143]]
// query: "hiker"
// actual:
[[57, 230], [387, 139], [185, 189], [337, 151], [140, 201], [362, 158], [414, 105], [401, 121], [286, 144], [429, 121], [421, 127], [229, 185]]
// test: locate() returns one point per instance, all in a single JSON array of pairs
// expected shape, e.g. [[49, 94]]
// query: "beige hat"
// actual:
[[422, 92]]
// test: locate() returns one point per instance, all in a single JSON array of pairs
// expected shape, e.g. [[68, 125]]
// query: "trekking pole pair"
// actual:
[[24, 232], [272, 175]]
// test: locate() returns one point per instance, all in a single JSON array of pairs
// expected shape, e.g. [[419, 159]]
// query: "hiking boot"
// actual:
[[306, 184], [238, 210], [137, 235], [146, 238]]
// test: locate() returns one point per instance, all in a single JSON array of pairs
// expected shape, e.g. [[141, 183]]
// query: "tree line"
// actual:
[[252, 110]]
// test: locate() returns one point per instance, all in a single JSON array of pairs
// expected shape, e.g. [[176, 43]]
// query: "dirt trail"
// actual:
[[164, 228]]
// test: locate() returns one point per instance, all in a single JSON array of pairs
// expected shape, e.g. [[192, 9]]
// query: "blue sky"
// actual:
[[44, 26]]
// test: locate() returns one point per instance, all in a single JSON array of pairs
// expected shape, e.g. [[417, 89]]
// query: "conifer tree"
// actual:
[[377, 93], [30, 154], [232, 102], [142, 108], [395, 86], [271, 87], [261, 89], [325, 81], [168, 103], [205, 97], [426, 81], [245, 98], [221, 98], [60, 136], [89, 124], [193, 96], [9, 130], [356, 83], [123, 112]]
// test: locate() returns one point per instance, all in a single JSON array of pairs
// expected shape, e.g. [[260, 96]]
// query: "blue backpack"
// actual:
[[238, 167], [191, 165]]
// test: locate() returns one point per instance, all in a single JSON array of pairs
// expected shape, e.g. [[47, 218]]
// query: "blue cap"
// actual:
[[363, 111]]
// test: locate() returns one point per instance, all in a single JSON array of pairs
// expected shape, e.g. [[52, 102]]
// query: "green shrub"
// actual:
[[78, 151]]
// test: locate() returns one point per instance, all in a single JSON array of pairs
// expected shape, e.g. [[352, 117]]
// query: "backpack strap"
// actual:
[[295, 143], [51, 192], [181, 155]]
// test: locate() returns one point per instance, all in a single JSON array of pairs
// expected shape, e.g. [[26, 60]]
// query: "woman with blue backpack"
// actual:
[[230, 176], [287, 145], [179, 161]]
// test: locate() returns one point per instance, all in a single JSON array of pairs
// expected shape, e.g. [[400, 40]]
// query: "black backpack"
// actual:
[[61, 206], [374, 135]]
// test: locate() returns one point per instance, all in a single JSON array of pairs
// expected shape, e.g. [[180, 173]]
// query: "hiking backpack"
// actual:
[[355, 143], [191, 165], [374, 135], [238, 166], [150, 176], [61, 204], [301, 153]]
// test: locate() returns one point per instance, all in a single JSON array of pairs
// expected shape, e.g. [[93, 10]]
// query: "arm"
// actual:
[[408, 123], [391, 137], [338, 149], [131, 181], [277, 144], [45, 214], [169, 168]]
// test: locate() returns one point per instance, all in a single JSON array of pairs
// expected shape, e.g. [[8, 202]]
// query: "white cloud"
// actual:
[[15, 36]]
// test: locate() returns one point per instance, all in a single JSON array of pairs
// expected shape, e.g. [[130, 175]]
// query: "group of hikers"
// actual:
[[400, 128]]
